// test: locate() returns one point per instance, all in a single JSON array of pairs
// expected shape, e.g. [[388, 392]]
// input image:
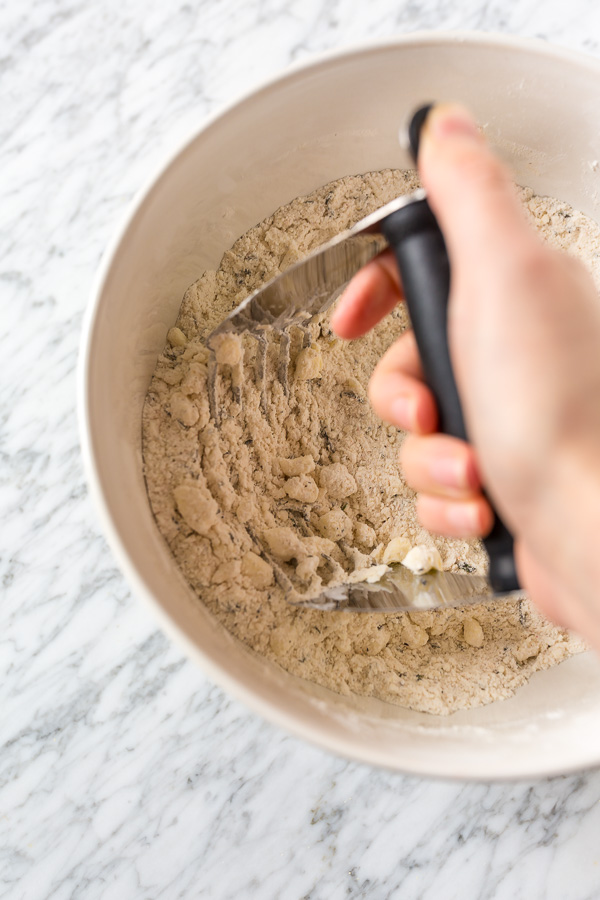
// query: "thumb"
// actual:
[[470, 190]]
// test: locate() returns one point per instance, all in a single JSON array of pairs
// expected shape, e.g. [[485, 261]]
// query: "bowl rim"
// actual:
[[450, 768]]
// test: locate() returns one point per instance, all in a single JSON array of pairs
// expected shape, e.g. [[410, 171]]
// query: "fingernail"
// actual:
[[402, 412], [464, 516], [449, 120], [333, 320], [449, 471]]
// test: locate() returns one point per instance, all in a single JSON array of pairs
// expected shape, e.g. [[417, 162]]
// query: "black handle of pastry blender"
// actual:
[[418, 243]]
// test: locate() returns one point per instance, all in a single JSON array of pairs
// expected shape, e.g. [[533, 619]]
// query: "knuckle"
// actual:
[[534, 264]]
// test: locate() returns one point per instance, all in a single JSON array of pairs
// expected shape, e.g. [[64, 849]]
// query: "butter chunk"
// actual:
[[176, 337], [309, 363], [396, 550], [370, 574], [422, 559], [354, 386], [473, 632]]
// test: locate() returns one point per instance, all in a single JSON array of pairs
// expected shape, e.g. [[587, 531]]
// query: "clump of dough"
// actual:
[[414, 635], [302, 488], [307, 568], [299, 465], [226, 572], [364, 535], [317, 546], [422, 559], [257, 570], [197, 507], [281, 641], [245, 509], [197, 352], [337, 481], [335, 525], [194, 381], [528, 649], [228, 349], [168, 375], [284, 543], [183, 409]]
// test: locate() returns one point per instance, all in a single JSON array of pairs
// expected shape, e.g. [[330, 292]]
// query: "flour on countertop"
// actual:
[[306, 487]]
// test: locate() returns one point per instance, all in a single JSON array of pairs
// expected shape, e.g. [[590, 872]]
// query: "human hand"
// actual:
[[524, 335]]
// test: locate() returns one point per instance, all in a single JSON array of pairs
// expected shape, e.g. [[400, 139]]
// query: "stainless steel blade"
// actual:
[[310, 286], [402, 591]]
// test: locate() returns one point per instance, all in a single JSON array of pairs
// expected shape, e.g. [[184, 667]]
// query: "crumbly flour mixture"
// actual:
[[303, 489]]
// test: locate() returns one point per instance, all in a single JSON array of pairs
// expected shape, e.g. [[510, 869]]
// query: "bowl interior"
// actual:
[[336, 117]]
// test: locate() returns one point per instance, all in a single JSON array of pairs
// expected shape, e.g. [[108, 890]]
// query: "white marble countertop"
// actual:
[[123, 772]]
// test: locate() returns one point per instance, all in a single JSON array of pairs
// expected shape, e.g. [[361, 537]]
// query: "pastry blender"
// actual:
[[307, 289]]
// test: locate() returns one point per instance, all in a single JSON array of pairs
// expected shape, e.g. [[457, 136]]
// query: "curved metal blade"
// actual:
[[401, 591], [311, 286]]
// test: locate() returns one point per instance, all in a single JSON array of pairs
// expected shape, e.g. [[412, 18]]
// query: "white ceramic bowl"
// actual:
[[337, 115]]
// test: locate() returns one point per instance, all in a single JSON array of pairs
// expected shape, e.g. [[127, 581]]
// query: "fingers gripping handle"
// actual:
[[420, 252]]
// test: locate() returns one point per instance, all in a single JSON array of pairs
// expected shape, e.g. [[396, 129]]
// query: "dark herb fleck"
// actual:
[[352, 396], [523, 615]]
